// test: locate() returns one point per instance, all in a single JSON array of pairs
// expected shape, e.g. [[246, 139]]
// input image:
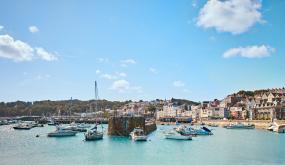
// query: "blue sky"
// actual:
[[198, 50]]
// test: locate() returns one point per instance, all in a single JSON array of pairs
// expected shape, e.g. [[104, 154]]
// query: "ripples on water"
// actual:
[[235, 147]]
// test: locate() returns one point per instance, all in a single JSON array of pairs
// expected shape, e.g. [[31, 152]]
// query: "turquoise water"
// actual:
[[235, 147]]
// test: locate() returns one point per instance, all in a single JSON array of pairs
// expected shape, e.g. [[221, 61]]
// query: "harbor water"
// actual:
[[235, 147]]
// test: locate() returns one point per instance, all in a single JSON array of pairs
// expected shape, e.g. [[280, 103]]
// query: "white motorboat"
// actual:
[[93, 134], [23, 126], [177, 136], [240, 126], [74, 127], [83, 125], [60, 132], [184, 130], [279, 128], [138, 135]]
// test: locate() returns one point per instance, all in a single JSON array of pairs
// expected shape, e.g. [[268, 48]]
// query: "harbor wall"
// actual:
[[122, 126], [150, 127], [261, 124]]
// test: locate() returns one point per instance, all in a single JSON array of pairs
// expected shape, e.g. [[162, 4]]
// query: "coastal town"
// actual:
[[266, 105]]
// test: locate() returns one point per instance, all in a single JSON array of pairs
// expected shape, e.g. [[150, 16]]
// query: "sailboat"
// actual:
[[93, 133]]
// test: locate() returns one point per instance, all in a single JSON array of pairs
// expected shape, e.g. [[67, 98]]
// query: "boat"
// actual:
[[213, 125], [93, 134], [60, 132], [138, 135], [74, 127], [52, 122], [83, 125], [23, 126], [36, 124], [279, 128], [184, 130], [240, 126], [177, 136], [4, 122]]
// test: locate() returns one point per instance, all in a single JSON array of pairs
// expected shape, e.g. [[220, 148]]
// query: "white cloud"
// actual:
[[15, 49], [109, 77], [234, 16], [153, 70], [43, 54], [103, 60], [250, 51], [126, 62], [1, 27], [43, 76], [122, 74], [178, 84], [186, 90], [19, 51], [124, 86], [97, 71], [120, 85], [33, 29]]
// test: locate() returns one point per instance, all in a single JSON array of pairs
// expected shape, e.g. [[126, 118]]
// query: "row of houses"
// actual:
[[265, 105]]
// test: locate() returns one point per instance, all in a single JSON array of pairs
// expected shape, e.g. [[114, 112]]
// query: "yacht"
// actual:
[[60, 132], [138, 135], [93, 134], [177, 136], [23, 126], [240, 126]]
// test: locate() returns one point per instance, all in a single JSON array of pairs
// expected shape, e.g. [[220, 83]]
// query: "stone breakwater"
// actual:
[[122, 126]]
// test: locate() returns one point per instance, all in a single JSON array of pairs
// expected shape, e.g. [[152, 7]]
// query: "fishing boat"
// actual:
[[240, 126], [93, 134], [177, 136], [60, 132], [138, 135], [23, 126]]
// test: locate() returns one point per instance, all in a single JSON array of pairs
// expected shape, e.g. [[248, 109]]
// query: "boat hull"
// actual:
[[89, 137], [139, 138], [22, 128], [175, 137], [238, 127], [65, 134]]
